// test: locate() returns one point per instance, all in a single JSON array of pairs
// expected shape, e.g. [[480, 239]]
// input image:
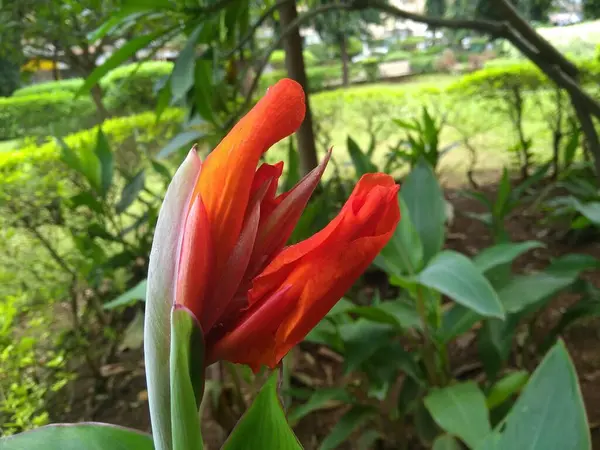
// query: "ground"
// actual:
[[125, 401]]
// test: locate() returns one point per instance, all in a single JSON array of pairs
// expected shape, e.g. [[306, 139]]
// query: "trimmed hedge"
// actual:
[[420, 63], [398, 55], [42, 114], [130, 88], [71, 85], [35, 171]]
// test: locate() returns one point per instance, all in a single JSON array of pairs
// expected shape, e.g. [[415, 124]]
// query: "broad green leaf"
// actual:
[[456, 321], [159, 298], [526, 290], [320, 399], [495, 341], [121, 55], [264, 424], [361, 162], [454, 275], [97, 436], [106, 159], [85, 163], [182, 78], [549, 414], [504, 253], [203, 90], [347, 424], [426, 204], [131, 191], [178, 142], [187, 379], [460, 410], [136, 293], [590, 210], [403, 255], [446, 442], [404, 311], [361, 340], [506, 387]]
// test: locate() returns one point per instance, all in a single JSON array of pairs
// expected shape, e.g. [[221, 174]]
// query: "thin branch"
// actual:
[[544, 47], [268, 13]]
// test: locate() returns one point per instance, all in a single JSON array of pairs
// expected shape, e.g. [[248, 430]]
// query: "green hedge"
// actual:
[[277, 59], [71, 85], [42, 114], [397, 55], [421, 63], [35, 171], [318, 77], [131, 88]]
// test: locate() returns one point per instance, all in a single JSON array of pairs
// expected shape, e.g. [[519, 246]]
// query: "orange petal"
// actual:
[[227, 173], [318, 272]]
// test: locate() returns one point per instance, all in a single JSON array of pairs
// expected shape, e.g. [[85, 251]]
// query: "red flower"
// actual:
[[253, 297]]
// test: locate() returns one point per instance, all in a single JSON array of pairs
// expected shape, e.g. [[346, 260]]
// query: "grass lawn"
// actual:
[[367, 110]]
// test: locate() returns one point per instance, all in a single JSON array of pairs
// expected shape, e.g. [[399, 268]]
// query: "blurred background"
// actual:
[[487, 115]]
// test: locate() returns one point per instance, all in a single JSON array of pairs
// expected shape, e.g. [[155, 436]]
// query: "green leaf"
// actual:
[[106, 159], [159, 298], [361, 340], [264, 425], [456, 321], [446, 442], [182, 78], [549, 414], [506, 387], [404, 252], [495, 341], [136, 293], [454, 275], [178, 142], [526, 290], [203, 88], [187, 379], [425, 202], [501, 254], [320, 399], [86, 198], [349, 422], [130, 191], [590, 210], [292, 175], [87, 164], [361, 162], [461, 411], [121, 55], [501, 205], [77, 437]]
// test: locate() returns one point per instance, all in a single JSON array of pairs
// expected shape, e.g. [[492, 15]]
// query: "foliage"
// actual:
[[9, 77], [397, 55], [43, 114], [409, 44], [71, 85], [277, 59], [420, 63], [318, 77], [371, 67]]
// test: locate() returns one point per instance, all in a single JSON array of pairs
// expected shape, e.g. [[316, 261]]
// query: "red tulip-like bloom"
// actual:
[[253, 297]]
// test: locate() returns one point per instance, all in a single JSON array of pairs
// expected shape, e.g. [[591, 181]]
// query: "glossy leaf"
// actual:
[[133, 295], [526, 290], [460, 410], [118, 57], [187, 379], [426, 204], [347, 424], [361, 340], [182, 78], [403, 255], [264, 424], [501, 254], [549, 414], [106, 159], [98, 436], [454, 275], [362, 163], [318, 400], [446, 442], [179, 141], [506, 387], [456, 321], [131, 191]]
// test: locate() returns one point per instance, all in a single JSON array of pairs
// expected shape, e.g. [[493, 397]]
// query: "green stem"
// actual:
[[429, 348]]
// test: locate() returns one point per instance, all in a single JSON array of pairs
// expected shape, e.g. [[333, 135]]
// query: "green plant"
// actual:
[[44, 114], [422, 63], [407, 337], [71, 85], [371, 67], [397, 55]]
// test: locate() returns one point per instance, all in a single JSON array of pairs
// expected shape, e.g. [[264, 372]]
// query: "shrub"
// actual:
[[131, 88], [436, 49], [410, 43], [371, 66], [71, 85], [422, 63], [43, 114], [397, 55], [446, 61], [277, 59], [321, 52], [318, 77], [9, 76]]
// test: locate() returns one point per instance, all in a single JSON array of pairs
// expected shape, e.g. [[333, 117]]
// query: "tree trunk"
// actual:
[[345, 60], [294, 62]]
